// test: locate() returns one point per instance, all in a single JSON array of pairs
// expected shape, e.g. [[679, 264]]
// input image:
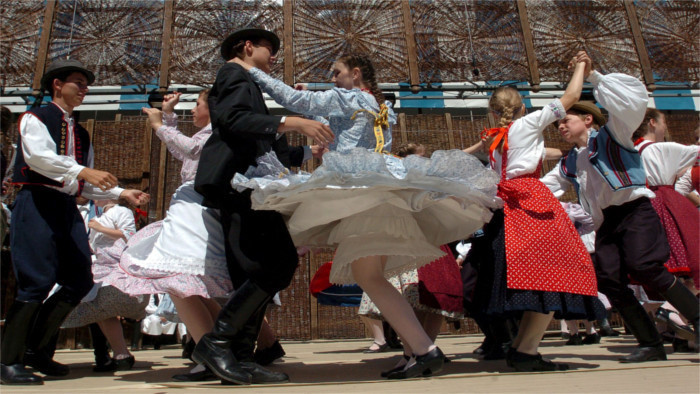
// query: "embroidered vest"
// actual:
[[53, 118], [621, 167]]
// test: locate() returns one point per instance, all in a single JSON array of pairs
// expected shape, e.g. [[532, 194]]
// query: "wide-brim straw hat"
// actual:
[[589, 107], [58, 67], [246, 34]]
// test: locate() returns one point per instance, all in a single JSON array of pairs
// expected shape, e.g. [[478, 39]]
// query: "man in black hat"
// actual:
[[243, 130], [47, 234]]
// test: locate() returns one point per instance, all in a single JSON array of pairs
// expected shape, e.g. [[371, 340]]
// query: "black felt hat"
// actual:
[[248, 33], [61, 66]]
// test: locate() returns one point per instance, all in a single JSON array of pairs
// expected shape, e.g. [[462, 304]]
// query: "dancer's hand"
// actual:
[[170, 101], [241, 63], [136, 197], [155, 116], [319, 132], [317, 151], [102, 179], [300, 86]]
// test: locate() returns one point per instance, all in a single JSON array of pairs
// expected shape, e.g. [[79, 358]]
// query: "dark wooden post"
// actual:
[[411, 47], [288, 42], [164, 80], [639, 45], [529, 46], [450, 134], [49, 15]]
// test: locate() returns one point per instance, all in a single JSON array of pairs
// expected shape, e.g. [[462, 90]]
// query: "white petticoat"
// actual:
[[371, 204], [190, 240]]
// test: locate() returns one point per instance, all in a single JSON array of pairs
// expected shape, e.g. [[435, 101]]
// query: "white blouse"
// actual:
[[664, 162]]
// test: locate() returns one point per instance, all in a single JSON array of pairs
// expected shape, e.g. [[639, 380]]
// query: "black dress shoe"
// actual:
[[397, 369], [645, 353], [509, 356], [523, 362], [261, 375], [425, 365], [682, 346], [201, 376], [125, 364], [18, 374], [591, 339], [109, 366], [574, 340], [684, 331], [268, 355], [380, 348], [218, 357], [44, 364], [496, 353]]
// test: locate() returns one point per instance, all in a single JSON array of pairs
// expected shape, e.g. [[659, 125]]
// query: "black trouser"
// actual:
[[258, 245], [631, 242], [49, 245]]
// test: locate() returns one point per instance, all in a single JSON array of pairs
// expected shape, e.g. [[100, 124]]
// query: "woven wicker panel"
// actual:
[[201, 25], [682, 127], [562, 28], [119, 40], [118, 148], [428, 130], [454, 37], [467, 129], [670, 30], [19, 40], [326, 29], [293, 319]]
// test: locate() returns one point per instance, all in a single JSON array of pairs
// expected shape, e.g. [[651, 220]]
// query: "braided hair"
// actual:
[[505, 103], [363, 63]]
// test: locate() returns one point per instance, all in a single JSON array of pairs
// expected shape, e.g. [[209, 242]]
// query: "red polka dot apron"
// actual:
[[543, 249]]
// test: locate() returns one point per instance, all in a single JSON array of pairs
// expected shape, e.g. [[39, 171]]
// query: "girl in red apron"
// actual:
[[538, 265]]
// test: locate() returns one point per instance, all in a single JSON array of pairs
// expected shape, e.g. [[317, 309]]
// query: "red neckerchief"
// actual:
[[639, 141]]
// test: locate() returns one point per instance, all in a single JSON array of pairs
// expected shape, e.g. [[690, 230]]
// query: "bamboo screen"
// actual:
[[326, 29], [119, 40], [199, 27], [127, 42], [468, 40]]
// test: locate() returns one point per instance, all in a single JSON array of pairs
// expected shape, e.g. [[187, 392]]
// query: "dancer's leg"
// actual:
[[369, 274], [432, 322], [375, 326], [532, 327], [196, 315], [112, 328], [266, 337]]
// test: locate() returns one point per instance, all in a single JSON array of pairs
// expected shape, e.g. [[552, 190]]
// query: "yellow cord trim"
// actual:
[[381, 121]]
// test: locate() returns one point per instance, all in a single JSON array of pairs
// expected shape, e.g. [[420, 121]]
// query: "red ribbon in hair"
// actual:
[[498, 134]]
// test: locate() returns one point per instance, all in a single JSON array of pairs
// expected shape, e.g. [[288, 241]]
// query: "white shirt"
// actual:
[[40, 155], [625, 98], [116, 217], [685, 183], [665, 161]]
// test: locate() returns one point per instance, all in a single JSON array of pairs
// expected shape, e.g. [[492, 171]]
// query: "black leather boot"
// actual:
[[651, 346], [686, 303], [214, 350], [39, 354], [244, 344], [14, 335], [268, 355]]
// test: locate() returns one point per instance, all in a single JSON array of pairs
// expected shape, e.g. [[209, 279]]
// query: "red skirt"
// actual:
[[543, 250], [681, 221], [440, 284]]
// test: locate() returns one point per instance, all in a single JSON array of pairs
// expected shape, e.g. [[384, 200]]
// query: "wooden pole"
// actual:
[[90, 127], [146, 163], [639, 45], [402, 128], [529, 46], [288, 42], [49, 15], [414, 76], [450, 134], [164, 81]]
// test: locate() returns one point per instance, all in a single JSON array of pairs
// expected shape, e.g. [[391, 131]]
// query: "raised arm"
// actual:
[[625, 98]]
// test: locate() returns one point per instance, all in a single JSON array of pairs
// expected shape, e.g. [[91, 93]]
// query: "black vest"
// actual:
[[53, 118]]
